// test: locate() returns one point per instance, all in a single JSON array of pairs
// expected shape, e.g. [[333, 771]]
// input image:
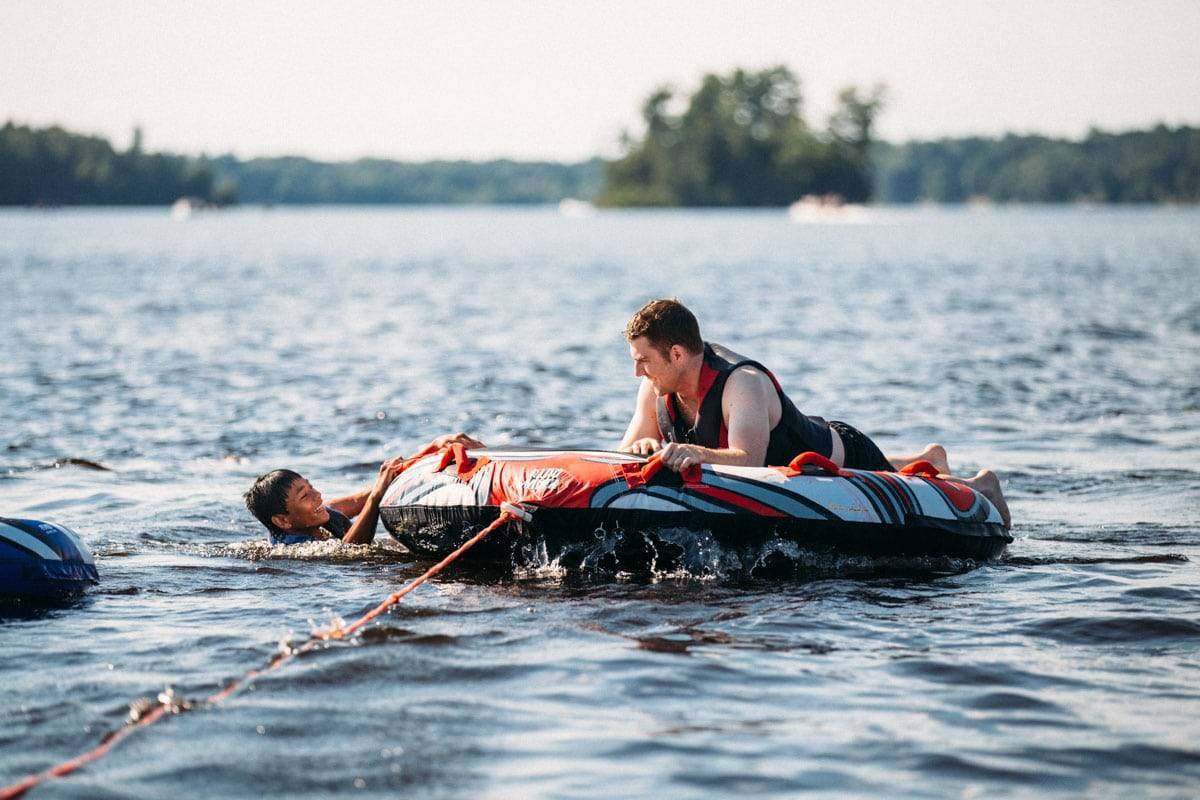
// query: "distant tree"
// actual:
[[853, 123]]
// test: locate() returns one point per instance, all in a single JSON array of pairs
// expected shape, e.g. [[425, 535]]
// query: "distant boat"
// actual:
[[827, 209], [576, 209], [979, 202], [183, 208]]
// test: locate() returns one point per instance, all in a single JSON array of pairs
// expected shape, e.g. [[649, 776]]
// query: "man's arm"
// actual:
[[642, 435], [746, 408]]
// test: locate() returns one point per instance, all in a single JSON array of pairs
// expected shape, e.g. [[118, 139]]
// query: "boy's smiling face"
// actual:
[[305, 509]]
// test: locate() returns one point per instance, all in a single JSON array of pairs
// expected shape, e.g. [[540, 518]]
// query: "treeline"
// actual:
[[300, 181], [741, 140], [51, 167], [738, 141], [1158, 165]]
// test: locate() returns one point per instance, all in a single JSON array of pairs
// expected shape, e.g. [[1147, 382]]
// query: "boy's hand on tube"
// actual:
[[457, 438], [388, 471]]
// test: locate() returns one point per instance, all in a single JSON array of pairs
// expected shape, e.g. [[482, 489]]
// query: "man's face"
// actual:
[[304, 506], [661, 370]]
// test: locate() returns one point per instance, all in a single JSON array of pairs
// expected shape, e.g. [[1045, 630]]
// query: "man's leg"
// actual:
[[933, 453], [987, 484], [985, 481]]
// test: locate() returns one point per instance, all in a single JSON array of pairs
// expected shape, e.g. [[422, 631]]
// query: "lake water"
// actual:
[[1060, 347]]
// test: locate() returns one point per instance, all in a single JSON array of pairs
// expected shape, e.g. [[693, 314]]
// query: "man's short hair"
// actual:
[[666, 322], [268, 496]]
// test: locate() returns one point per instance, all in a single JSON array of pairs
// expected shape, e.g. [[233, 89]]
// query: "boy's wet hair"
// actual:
[[268, 496]]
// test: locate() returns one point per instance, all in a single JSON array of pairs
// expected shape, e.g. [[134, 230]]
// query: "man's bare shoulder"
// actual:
[[747, 377]]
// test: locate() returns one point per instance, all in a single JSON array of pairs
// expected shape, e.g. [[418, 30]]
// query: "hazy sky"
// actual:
[[561, 80]]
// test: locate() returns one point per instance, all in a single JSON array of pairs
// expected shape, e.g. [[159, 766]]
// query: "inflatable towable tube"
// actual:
[[576, 497], [43, 561]]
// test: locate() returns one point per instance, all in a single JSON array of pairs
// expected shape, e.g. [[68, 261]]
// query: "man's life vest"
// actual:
[[796, 433]]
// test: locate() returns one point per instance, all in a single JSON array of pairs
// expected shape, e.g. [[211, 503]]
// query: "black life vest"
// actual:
[[796, 433]]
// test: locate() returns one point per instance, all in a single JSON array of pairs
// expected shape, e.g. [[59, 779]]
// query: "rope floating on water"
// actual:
[[167, 704]]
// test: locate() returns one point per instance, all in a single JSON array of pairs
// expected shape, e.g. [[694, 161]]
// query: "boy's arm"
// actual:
[[457, 438], [362, 530], [352, 504]]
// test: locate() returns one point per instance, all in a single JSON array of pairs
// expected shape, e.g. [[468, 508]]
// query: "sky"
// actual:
[[562, 80]]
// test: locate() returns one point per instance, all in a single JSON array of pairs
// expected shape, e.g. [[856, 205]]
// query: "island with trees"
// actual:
[[741, 140]]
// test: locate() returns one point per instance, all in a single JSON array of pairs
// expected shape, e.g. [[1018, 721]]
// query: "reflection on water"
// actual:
[[152, 369]]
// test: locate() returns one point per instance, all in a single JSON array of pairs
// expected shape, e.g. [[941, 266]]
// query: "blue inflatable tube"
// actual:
[[43, 561]]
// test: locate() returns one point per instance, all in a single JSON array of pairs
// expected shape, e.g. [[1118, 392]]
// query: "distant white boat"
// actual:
[[570, 207], [827, 209], [181, 209], [184, 207]]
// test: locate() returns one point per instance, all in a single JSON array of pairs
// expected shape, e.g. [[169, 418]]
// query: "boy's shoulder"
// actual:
[[336, 528], [290, 538], [339, 524]]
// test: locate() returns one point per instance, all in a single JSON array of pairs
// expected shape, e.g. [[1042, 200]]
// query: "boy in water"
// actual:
[[294, 512]]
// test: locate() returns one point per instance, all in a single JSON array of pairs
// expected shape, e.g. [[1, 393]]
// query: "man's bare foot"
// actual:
[[936, 454], [933, 453], [988, 485]]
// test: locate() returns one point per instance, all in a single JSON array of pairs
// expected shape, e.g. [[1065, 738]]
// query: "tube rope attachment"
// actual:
[[143, 718]]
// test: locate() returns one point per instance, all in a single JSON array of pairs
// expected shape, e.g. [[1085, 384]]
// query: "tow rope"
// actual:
[[142, 717]]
